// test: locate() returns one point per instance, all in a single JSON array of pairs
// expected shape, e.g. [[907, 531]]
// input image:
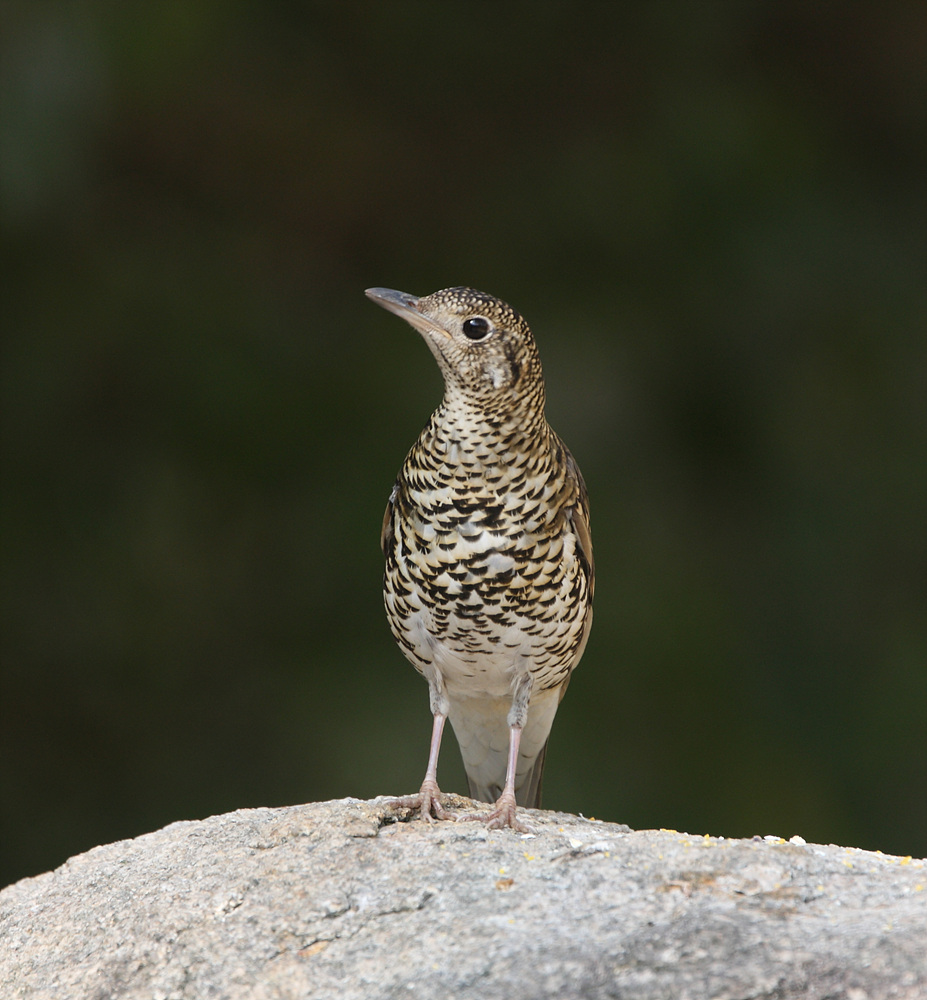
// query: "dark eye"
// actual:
[[476, 328]]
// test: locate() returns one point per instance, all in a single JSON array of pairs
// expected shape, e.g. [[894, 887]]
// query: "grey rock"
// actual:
[[336, 899]]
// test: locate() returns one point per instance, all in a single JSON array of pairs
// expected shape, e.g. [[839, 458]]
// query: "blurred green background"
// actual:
[[713, 215]]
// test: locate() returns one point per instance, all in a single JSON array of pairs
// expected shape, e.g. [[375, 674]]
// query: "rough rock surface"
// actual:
[[336, 899]]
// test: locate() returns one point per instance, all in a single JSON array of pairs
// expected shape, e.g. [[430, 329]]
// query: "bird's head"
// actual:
[[484, 347]]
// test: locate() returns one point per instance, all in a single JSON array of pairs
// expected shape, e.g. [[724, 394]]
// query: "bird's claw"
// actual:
[[427, 801], [503, 814]]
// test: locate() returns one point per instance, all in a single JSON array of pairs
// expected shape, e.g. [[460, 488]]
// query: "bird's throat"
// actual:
[[467, 437]]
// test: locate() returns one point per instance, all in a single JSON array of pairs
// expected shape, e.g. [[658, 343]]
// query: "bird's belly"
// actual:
[[468, 669], [484, 606]]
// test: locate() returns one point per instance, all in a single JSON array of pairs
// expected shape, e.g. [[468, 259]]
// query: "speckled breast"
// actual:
[[482, 577]]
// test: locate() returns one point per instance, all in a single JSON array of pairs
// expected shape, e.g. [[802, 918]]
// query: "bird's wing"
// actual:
[[578, 515], [386, 532]]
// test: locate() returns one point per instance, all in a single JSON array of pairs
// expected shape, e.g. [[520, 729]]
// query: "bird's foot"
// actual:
[[503, 813], [427, 801]]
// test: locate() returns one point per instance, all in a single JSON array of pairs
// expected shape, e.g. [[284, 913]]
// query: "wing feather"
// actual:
[[386, 532]]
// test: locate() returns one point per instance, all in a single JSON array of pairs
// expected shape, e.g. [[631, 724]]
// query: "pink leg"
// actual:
[[504, 811], [428, 799]]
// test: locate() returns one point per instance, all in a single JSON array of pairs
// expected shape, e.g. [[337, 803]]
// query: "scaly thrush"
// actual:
[[489, 572]]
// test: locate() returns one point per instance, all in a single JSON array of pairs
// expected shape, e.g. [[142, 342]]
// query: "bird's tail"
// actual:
[[483, 735], [527, 789]]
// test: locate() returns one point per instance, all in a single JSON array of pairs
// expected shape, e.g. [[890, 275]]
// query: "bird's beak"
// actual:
[[405, 305]]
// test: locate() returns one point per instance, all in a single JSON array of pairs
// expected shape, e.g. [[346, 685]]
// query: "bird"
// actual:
[[489, 573]]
